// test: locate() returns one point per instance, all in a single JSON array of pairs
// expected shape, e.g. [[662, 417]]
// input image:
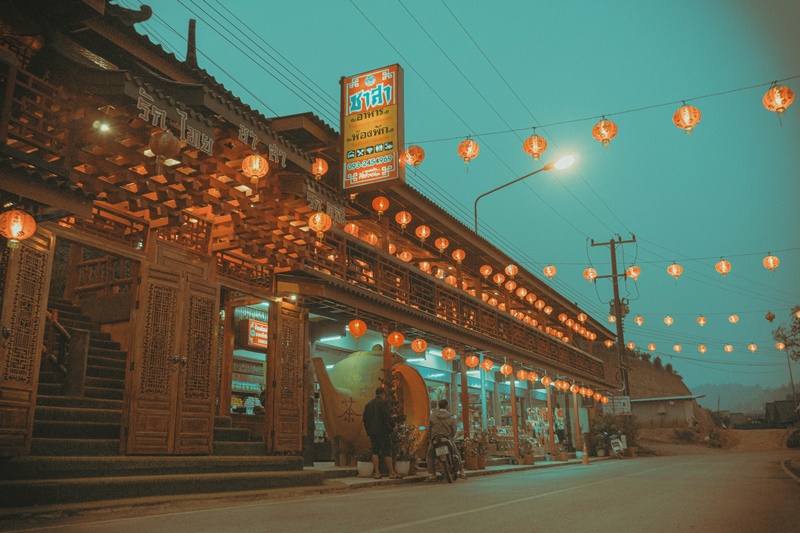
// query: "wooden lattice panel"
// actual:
[[291, 379], [199, 338], [159, 339]]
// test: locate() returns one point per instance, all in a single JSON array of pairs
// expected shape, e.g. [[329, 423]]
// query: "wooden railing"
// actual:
[[360, 264], [101, 277], [56, 342], [244, 271]]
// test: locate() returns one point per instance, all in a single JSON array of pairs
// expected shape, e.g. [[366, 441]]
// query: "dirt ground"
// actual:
[[662, 441]]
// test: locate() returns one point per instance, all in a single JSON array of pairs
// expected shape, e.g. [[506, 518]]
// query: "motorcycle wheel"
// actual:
[[447, 471]]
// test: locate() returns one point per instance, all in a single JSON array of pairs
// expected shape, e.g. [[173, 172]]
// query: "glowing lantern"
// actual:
[[448, 354], [459, 255], [471, 361], [612, 318], [254, 166], [633, 272], [530, 297], [548, 309], [778, 98], [583, 317], [511, 270], [675, 270], [569, 322], [371, 238], [770, 316], [574, 389], [752, 347], [166, 146], [522, 375], [468, 150], [532, 376], [380, 204], [701, 320], [723, 267], [320, 222], [590, 274], [639, 320], [423, 232], [668, 320], [549, 271], [677, 348], [392, 248], [546, 381], [484, 296], [534, 146], [521, 292], [631, 346], [395, 339], [351, 228], [499, 278], [441, 244], [562, 317], [771, 262], [486, 271], [451, 280], [319, 167], [16, 225], [492, 302], [510, 285], [565, 385], [797, 314], [558, 384], [487, 364], [357, 328], [686, 118], [702, 348], [604, 131], [780, 346], [597, 396], [593, 336], [419, 345], [582, 391], [403, 218], [728, 348], [733, 319], [604, 399], [609, 343], [414, 155], [506, 369], [406, 256], [651, 347]]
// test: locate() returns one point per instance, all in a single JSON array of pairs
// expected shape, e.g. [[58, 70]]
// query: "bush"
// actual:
[[684, 435], [714, 439], [364, 455], [794, 440]]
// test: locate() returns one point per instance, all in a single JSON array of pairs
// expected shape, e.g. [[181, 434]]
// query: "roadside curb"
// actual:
[[789, 470]]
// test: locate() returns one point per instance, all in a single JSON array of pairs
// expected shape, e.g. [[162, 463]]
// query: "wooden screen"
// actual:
[[24, 290], [287, 359]]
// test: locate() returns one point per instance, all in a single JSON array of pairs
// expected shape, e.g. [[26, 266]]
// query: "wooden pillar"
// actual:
[[465, 420], [577, 437], [226, 368], [387, 353], [514, 424], [550, 435]]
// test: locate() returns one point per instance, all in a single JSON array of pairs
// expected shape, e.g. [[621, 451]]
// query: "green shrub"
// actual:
[[684, 435]]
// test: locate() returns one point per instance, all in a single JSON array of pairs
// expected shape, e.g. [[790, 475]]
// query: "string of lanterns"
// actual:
[[702, 348]]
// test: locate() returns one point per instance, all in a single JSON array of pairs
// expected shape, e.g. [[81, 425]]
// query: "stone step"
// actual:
[[49, 491], [103, 393], [106, 362], [77, 414], [222, 422], [79, 324], [83, 447], [49, 389], [105, 383], [78, 402], [70, 429], [100, 337], [106, 372], [108, 353], [239, 448], [49, 377], [231, 435]]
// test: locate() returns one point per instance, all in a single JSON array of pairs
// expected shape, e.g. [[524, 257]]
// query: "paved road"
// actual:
[[733, 492]]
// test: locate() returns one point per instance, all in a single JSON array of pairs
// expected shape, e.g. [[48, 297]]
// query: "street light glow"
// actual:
[[565, 162]]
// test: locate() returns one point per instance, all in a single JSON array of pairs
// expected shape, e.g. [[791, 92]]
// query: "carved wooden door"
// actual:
[[287, 359], [24, 287], [170, 396]]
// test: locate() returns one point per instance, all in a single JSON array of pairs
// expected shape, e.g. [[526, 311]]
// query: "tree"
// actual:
[[657, 362], [668, 367], [790, 335]]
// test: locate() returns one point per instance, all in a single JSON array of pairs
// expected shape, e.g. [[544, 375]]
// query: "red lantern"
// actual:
[[686, 118], [522, 375], [752, 347], [351, 228], [574, 389], [597, 396], [510, 285], [701, 320], [668, 320], [633, 272], [471, 361], [546, 381], [451, 280], [441, 244], [771, 262], [16, 225], [521, 292], [780, 346], [395, 339], [255, 167], [486, 271], [414, 155], [723, 267], [371, 238], [590, 274], [728, 348], [558, 384], [609, 343], [320, 222], [631, 346], [540, 304], [534, 146], [677, 348], [639, 320], [487, 364], [583, 317], [165, 146], [468, 150], [423, 232], [419, 345], [778, 98], [511, 270], [319, 167], [701, 348], [392, 248], [675, 270], [406, 256], [604, 399], [448, 354], [651, 347], [562, 317], [459, 255], [548, 309], [770, 316], [549, 271], [357, 328], [499, 278], [532, 376], [604, 131], [403, 218], [506, 369], [380, 204], [733, 319]]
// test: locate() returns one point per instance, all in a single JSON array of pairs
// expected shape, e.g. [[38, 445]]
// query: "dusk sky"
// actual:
[[493, 70]]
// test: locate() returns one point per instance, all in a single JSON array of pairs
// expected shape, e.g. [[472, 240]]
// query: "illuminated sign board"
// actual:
[[372, 128], [257, 333]]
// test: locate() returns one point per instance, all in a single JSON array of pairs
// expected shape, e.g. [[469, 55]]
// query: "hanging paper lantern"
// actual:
[[651, 347], [532, 376], [406, 256], [677, 348], [780, 346], [486, 271], [574, 389], [319, 167], [459, 255], [639, 320], [723, 267], [558, 384], [562, 317], [166, 146], [590, 274], [702, 348], [492, 302], [592, 336], [511, 270], [448, 354], [371, 238], [16, 225], [728, 348], [499, 278], [546, 381], [506, 369], [487, 364], [530, 298], [668, 320], [631, 346], [451, 280], [771, 262], [605, 400], [510, 285], [419, 345], [597, 396], [254, 166], [565, 385], [422, 232], [633, 272], [534, 146], [380, 204], [548, 309], [686, 118], [441, 244], [471, 361], [675, 270], [752, 347], [778, 98], [583, 317], [770, 316], [521, 292], [733, 319], [604, 131], [392, 248], [582, 391], [351, 228], [357, 328], [320, 222], [395, 339], [403, 218], [609, 343], [612, 318], [549, 271], [468, 150], [569, 322], [414, 155], [701, 320]]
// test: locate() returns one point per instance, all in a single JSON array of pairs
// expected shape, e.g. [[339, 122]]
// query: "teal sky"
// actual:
[[478, 68]]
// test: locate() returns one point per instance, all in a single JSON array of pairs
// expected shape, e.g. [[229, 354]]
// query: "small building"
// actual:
[[666, 411], [782, 414]]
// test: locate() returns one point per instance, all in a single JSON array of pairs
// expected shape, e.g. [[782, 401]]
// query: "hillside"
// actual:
[[661, 441], [739, 398]]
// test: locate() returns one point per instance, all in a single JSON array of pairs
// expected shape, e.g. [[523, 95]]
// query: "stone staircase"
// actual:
[[75, 446]]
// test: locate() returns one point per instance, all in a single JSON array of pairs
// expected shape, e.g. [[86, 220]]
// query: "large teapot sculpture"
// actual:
[[347, 387]]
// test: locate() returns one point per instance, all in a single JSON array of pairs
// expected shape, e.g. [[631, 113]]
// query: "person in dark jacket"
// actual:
[[378, 423], [442, 423]]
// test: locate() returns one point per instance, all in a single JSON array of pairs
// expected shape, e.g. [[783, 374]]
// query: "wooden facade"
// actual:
[[178, 240]]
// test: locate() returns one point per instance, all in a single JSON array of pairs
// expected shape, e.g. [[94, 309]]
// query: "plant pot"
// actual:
[[601, 452], [471, 462], [527, 459], [481, 462], [401, 468], [563, 456], [365, 468]]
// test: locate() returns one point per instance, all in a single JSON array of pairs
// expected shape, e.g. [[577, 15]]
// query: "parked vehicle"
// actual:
[[616, 446], [447, 457]]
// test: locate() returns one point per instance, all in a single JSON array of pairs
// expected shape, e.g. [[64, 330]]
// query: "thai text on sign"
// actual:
[[257, 333], [372, 127]]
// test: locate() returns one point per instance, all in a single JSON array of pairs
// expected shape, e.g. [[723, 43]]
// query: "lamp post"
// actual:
[[562, 163]]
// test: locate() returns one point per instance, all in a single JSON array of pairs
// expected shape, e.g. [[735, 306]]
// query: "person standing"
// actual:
[[378, 423]]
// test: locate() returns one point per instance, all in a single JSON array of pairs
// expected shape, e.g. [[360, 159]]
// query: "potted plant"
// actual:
[[471, 453], [526, 445], [405, 442], [482, 448], [364, 462]]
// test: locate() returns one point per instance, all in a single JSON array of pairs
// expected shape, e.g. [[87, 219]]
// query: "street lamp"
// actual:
[[562, 163]]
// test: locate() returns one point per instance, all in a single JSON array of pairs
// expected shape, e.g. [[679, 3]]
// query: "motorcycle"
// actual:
[[447, 458], [616, 446]]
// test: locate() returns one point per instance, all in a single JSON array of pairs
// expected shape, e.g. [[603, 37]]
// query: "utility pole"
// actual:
[[619, 312]]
